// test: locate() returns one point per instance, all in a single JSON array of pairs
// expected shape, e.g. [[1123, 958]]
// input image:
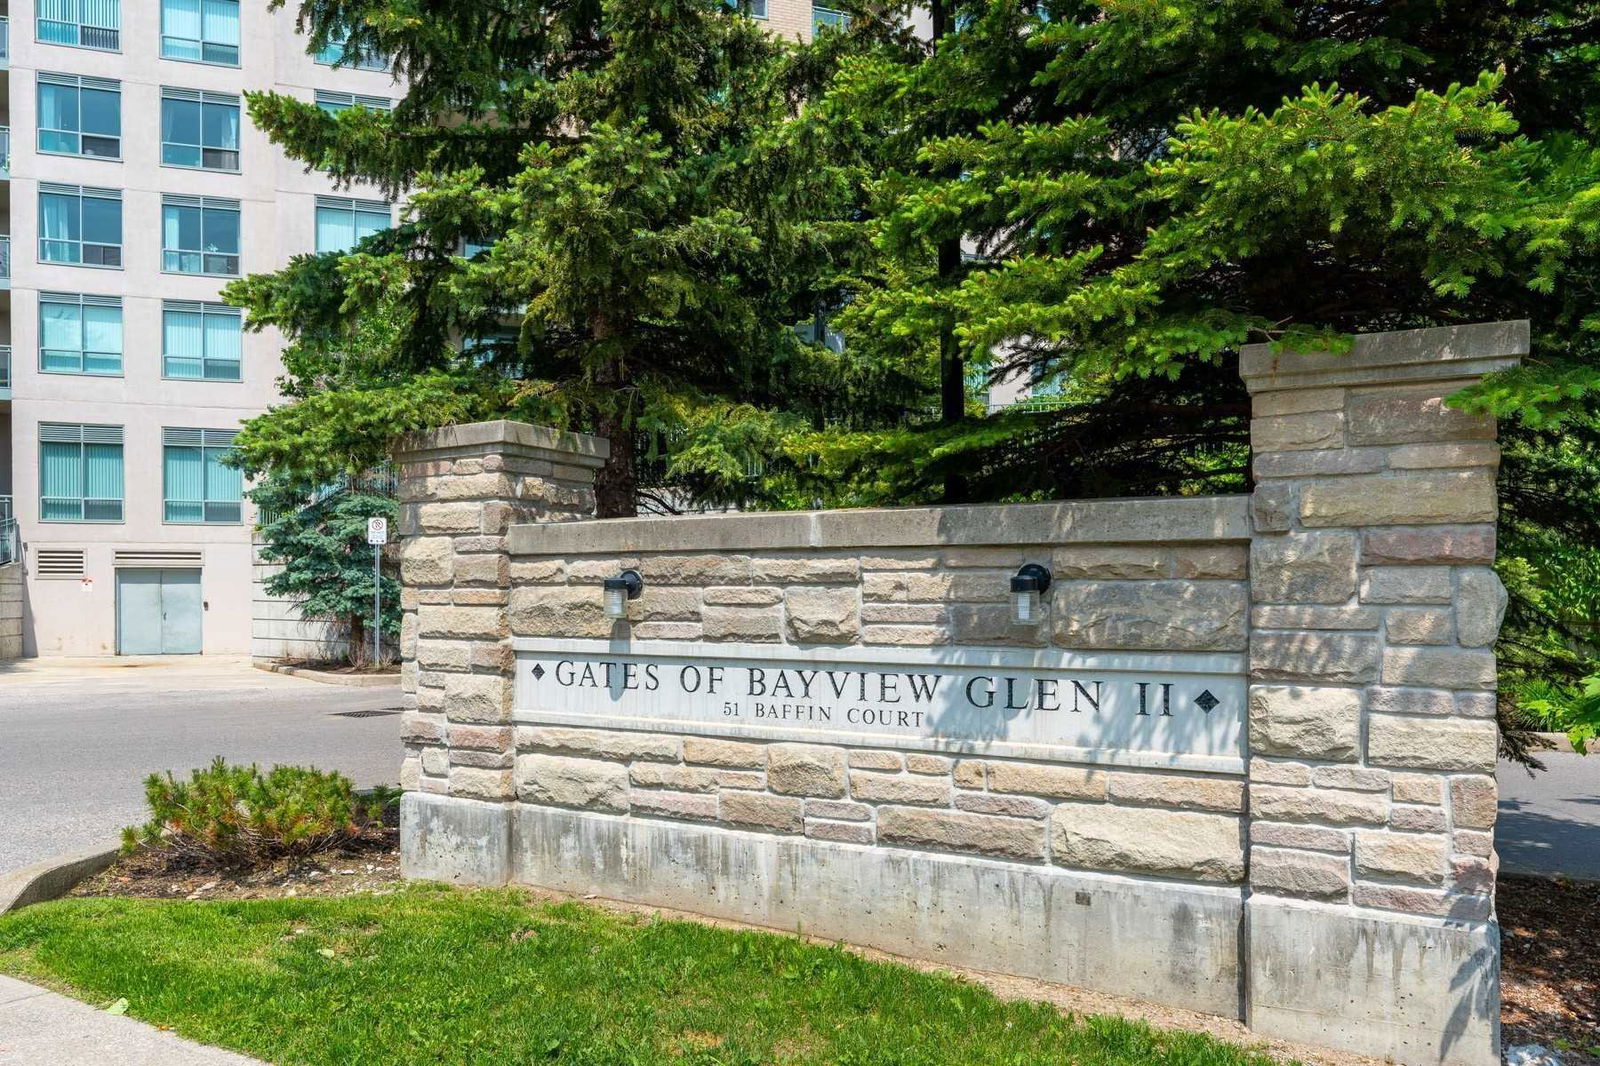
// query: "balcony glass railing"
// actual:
[[5, 369], [5, 41], [5, 151], [827, 17], [5, 257], [10, 542]]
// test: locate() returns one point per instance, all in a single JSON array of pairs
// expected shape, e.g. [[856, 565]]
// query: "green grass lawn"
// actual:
[[431, 976]]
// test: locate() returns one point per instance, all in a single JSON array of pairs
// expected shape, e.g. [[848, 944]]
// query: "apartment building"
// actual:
[[134, 189]]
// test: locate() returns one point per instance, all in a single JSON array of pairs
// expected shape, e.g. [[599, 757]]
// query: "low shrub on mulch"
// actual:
[[238, 817]]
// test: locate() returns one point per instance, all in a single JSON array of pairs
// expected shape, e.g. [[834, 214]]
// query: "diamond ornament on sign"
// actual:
[[538, 671], [1207, 701]]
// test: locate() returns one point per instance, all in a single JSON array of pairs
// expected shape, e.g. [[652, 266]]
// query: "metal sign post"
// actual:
[[377, 536]]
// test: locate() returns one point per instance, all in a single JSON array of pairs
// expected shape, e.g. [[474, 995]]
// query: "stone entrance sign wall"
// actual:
[[1243, 764]]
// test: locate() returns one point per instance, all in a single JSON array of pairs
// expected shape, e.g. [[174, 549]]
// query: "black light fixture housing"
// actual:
[[1030, 583], [626, 586]]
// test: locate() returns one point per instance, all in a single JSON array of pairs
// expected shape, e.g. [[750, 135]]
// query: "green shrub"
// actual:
[[235, 815]]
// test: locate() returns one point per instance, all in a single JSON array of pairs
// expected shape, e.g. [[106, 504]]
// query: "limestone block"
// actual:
[[1058, 782], [426, 560], [1183, 793], [601, 743], [435, 761], [479, 737], [490, 570], [875, 760], [1305, 721], [1401, 856], [1400, 500], [1418, 625], [922, 763], [1010, 806], [743, 596], [541, 571], [594, 571], [1473, 802], [905, 613], [1303, 568], [666, 605], [1385, 700], [1405, 584], [1472, 842], [1409, 417], [806, 770], [1327, 806], [1480, 607], [991, 623], [1273, 507], [1432, 743], [758, 810], [667, 631], [1150, 615], [1454, 545], [1268, 772], [445, 655], [695, 569], [1450, 455], [1229, 562], [795, 569], [482, 760], [1186, 844], [477, 698], [451, 517], [1298, 432], [692, 778], [1285, 616], [1418, 788], [1010, 558], [410, 773], [688, 806], [1417, 819], [738, 754], [559, 781], [838, 810], [416, 728], [559, 611], [1301, 837], [1323, 462], [1112, 561], [1477, 704], [1297, 401], [1443, 667], [474, 783], [907, 559], [1351, 658], [923, 827], [823, 615], [1303, 874], [842, 832], [755, 624], [1354, 778], [905, 636], [468, 623], [968, 773], [871, 786]]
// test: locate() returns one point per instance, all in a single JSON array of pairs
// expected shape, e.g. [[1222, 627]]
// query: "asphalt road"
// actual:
[[1550, 822], [78, 736]]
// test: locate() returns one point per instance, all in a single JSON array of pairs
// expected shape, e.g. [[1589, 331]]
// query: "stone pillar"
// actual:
[[1372, 696], [461, 489]]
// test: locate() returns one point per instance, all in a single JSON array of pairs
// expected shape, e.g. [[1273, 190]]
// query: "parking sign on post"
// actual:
[[377, 536]]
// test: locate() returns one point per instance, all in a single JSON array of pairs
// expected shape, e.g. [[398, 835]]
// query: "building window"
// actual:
[[333, 102], [753, 8], [201, 341], [828, 18], [199, 129], [196, 485], [199, 235], [342, 222], [80, 225], [200, 31], [80, 23], [80, 334], [339, 53], [80, 473], [80, 116]]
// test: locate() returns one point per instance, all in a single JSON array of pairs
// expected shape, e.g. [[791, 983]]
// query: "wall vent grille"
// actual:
[[126, 558], [66, 564]]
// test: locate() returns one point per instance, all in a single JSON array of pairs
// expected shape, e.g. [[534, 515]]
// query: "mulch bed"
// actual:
[[1550, 970], [339, 666], [369, 867], [1550, 929]]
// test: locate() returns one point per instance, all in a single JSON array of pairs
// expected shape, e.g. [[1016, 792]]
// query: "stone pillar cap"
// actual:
[[1445, 353], [506, 437]]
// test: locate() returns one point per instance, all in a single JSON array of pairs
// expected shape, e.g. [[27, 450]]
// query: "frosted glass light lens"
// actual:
[[1025, 607], [616, 602]]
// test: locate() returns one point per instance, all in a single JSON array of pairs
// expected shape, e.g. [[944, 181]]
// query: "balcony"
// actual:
[[10, 541], [5, 261], [5, 371], [5, 153], [5, 43], [827, 17]]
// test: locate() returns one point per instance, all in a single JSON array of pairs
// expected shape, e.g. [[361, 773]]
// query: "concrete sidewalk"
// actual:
[[41, 1028]]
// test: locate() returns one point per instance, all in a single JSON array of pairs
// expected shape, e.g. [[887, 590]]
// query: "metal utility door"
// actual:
[[158, 612]]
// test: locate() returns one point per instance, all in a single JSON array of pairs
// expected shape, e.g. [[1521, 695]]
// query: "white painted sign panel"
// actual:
[[1180, 710], [377, 531]]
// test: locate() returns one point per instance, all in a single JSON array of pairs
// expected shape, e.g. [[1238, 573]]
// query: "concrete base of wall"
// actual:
[[1160, 941], [462, 841], [1413, 990]]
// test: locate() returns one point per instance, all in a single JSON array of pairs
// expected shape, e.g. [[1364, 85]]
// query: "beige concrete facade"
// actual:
[[65, 614]]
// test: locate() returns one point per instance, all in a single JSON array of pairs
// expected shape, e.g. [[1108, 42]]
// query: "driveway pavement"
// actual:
[[77, 736], [1550, 822]]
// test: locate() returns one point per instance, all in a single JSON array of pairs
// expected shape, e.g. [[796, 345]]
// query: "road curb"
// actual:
[[1557, 742], [52, 878], [327, 678]]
